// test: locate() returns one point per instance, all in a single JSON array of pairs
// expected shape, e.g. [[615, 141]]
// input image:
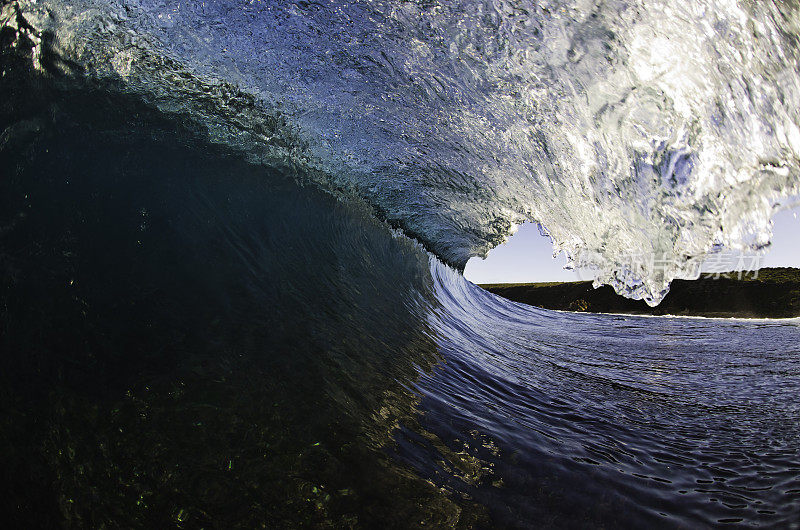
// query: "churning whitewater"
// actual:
[[667, 129], [231, 235]]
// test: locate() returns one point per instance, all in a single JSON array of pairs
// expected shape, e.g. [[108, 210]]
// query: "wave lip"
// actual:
[[642, 137]]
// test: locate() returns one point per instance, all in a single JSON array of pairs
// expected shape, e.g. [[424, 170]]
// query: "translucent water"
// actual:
[[641, 135], [211, 313]]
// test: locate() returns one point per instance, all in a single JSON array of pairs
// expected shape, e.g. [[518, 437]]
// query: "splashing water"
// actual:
[[193, 335], [663, 130]]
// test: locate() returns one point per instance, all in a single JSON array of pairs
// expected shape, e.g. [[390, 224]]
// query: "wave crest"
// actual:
[[641, 135]]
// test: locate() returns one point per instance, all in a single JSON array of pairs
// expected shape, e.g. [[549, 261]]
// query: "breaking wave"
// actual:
[[660, 130], [212, 314]]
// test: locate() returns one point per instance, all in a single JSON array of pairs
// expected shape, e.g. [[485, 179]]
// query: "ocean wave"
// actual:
[[626, 129], [190, 339]]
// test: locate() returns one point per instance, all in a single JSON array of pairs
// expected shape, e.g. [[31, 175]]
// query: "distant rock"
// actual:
[[766, 293]]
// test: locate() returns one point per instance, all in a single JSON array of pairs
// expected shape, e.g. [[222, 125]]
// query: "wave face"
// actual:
[[640, 135], [191, 340], [203, 325]]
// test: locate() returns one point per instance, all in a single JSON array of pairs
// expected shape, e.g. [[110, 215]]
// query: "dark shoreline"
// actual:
[[767, 293]]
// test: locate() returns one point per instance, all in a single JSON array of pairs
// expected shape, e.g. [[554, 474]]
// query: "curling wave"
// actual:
[[664, 130], [192, 335]]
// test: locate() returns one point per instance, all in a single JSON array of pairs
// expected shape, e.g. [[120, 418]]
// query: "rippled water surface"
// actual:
[[212, 314], [606, 418]]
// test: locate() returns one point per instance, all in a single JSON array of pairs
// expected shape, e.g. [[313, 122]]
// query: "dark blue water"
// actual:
[[192, 339], [618, 420]]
